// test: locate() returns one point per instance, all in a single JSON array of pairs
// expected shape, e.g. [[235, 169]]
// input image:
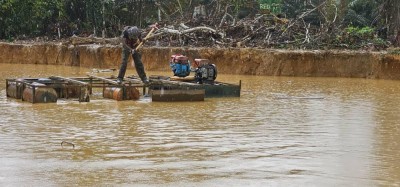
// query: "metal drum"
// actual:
[[14, 88], [117, 93], [37, 94]]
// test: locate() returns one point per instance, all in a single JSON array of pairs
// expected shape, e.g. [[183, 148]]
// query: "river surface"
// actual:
[[282, 131]]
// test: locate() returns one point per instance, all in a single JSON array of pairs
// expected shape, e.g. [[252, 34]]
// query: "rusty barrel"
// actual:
[[14, 89], [108, 92], [41, 94], [117, 93]]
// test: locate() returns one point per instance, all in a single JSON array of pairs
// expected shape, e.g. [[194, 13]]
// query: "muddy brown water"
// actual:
[[282, 131]]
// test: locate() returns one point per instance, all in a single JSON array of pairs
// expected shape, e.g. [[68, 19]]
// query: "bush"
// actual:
[[355, 37]]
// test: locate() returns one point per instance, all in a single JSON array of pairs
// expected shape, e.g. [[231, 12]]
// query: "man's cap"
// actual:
[[133, 32]]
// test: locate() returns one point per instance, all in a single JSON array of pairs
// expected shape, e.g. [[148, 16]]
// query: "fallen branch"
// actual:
[[75, 40], [164, 31], [224, 18], [304, 14], [307, 38], [248, 37]]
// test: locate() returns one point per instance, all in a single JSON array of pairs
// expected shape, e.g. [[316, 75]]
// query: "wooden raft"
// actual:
[[161, 88]]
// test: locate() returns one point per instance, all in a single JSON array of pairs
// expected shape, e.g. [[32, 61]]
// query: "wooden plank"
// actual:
[[134, 81], [182, 79], [177, 95], [104, 79], [69, 80], [172, 83]]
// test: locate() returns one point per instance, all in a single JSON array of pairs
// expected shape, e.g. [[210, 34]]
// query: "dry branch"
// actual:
[[164, 31], [75, 40]]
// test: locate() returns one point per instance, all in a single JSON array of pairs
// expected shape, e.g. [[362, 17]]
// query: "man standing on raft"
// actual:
[[131, 38]]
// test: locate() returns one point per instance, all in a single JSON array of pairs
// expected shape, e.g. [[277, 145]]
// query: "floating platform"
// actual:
[[47, 90], [160, 88], [216, 89]]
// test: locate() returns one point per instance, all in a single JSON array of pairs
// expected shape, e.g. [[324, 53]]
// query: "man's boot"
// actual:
[[145, 81], [119, 80]]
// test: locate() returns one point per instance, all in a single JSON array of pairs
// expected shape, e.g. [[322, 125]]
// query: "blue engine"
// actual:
[[180, 65], [181, 70]]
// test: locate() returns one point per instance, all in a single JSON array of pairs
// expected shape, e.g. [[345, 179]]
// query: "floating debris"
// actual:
[[67, 143]]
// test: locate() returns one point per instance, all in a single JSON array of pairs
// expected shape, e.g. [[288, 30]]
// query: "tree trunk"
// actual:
[[140, 13], [397, 40], [393, 15], [343, 7], [103, 33]]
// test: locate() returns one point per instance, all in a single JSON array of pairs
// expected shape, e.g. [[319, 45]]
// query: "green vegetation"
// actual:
[[353, 23], [364, 37]]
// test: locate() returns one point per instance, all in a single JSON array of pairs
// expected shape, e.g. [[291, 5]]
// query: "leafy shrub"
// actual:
[[363, 33], [356, 37]]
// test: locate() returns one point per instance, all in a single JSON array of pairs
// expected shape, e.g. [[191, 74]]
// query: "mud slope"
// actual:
[[229, 61]]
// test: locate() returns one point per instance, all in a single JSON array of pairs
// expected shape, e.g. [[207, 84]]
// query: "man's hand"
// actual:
[[133, 51]]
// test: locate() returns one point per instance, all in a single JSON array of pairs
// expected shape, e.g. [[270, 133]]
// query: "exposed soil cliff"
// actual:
[[228, 60]]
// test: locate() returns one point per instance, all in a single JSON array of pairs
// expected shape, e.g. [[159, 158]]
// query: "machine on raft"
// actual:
[[204, 70], [185, 87]]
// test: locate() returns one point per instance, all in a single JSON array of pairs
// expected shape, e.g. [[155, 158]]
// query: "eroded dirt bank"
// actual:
[[229, 61]]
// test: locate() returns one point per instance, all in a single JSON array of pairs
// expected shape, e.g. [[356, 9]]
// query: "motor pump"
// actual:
[[180, 65], [205, 71]]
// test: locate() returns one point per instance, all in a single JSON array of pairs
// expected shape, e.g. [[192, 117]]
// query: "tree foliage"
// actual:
[[61, 18]]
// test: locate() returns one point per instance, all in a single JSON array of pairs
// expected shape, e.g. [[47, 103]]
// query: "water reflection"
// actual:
[[282, 131]]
